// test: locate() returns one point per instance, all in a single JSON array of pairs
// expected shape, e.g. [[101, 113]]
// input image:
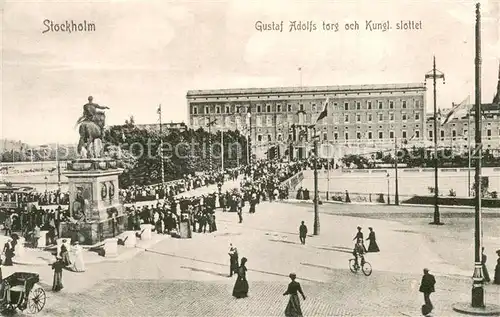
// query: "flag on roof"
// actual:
[[457, 110]]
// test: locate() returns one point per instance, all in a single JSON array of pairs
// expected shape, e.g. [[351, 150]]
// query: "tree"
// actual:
[[184, 152]]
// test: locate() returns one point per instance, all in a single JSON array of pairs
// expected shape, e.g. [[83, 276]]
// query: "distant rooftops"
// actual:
[[308, 89]]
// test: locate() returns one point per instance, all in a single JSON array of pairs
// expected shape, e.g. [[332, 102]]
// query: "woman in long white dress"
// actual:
[[77, 258]]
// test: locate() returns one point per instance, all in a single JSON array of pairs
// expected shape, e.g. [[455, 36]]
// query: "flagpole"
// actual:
[[58, 167], [396, 193], [468, 150], [222, 151], [328, 174], [161, 150]]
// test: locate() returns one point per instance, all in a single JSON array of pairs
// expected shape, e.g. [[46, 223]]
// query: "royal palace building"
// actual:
[[361, 116], [459, 132]]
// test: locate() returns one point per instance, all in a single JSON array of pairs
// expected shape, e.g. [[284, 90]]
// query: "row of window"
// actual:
[[355, 105], [369, 117], [454, 133], [359, 135], [302, 119]]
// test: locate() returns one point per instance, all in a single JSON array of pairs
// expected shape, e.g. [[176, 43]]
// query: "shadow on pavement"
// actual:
[[204, 271], [319, 266]]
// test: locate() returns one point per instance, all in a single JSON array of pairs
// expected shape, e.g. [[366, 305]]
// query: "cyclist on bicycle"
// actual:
[[359, 251]]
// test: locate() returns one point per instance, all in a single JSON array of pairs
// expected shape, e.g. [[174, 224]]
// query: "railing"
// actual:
[[293, 181]]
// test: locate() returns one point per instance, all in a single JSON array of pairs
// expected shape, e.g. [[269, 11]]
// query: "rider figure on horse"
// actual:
[[90, 113]]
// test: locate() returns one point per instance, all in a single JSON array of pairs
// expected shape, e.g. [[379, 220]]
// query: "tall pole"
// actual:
[[435, 75], [436, 182], [161, 149], [209, 144], [316, 198], [249, 139], [58, 168], [276, 132], [468, 156], [388, 189], [222, 152], [477, 277], [396, 192], [328, 176], [239, 139]]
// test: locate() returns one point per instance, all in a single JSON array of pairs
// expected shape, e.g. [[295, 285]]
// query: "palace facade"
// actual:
[[460, 131], [361, 116]]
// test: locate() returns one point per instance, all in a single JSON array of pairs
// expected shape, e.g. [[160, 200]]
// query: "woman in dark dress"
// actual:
[[497, 270], [486, 275], [8, 251], [372, 247], [293, 308], [240, 289], [57, 266]]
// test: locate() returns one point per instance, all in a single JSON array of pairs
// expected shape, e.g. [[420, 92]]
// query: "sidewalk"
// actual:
[[37, 257], [399, 208]]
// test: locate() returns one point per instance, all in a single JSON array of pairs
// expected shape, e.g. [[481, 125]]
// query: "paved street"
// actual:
[[189, 277]]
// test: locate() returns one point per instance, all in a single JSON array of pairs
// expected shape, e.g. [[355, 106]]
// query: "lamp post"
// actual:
[[388, 190], [477, 277], [46, 183], [249, 125], [396, 190], [477, 305], [435, 74], [316, 228]]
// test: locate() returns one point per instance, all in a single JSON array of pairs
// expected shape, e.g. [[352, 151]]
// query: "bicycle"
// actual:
[[366, 267]]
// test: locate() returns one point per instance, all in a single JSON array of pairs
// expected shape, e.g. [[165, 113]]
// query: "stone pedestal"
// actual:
[[42, 241], [185, 230], [19, 249], [94, 201], [111, 247], [130, 240], [146, 231]]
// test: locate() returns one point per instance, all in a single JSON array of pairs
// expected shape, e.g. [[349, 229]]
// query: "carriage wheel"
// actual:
[[367, 269], [352, 266], [36, 300]]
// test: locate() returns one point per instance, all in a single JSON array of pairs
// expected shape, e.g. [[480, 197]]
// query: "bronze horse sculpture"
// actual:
[[91, 134]]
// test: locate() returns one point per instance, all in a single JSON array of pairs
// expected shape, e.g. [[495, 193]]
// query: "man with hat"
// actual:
[[359, 235], [427, 287]]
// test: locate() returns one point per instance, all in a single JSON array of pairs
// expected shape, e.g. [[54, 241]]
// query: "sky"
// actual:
[[145, 53]]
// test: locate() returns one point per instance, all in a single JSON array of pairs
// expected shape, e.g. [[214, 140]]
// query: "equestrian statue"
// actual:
[[91, 130]]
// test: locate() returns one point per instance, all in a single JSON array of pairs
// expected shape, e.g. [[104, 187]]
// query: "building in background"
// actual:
[[166, 127], [459, 132], [360, 118]]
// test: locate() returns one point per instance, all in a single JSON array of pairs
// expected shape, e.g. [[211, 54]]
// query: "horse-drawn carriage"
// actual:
[[21, 291]]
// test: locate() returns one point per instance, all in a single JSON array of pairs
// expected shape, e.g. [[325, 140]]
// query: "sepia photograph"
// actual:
[[250, 158]]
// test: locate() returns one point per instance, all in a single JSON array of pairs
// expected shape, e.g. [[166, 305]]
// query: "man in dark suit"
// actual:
[[427, 287], [303, 233]]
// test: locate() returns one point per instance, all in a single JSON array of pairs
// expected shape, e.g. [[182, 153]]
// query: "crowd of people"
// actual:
[[260, 182], [129, 195]]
